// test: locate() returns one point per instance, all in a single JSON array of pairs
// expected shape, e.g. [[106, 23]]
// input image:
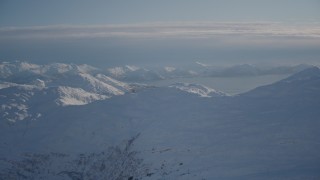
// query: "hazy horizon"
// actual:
[[113, 33]]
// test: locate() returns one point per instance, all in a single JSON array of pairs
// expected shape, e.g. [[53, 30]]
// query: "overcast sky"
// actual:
[[170, 32]]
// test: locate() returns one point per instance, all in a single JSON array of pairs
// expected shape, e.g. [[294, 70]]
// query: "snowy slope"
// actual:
[[19, 101], [76, 96], [26, 85], [301, 83], [200, 90], [263, 134], [15, 102]]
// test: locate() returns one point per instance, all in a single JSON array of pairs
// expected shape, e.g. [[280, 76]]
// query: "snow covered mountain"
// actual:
[[58, 74], [76, 96], [24, 86], [138, 74], [303, 83], [19, 101], [65, 85], [198, 89], [268, 133], [133, 74], [19, 67]]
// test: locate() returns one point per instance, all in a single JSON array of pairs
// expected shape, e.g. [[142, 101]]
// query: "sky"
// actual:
[[118, 32]]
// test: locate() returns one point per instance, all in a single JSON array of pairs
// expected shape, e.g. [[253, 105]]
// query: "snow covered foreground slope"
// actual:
[[268, 133]]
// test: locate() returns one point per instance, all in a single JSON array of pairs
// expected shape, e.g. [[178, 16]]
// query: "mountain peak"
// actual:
[[309, 73]]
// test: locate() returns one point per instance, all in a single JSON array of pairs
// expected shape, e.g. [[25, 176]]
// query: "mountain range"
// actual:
[[134, 73]]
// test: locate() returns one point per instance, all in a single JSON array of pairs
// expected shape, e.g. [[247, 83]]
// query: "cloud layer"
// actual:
[[162, 30]]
